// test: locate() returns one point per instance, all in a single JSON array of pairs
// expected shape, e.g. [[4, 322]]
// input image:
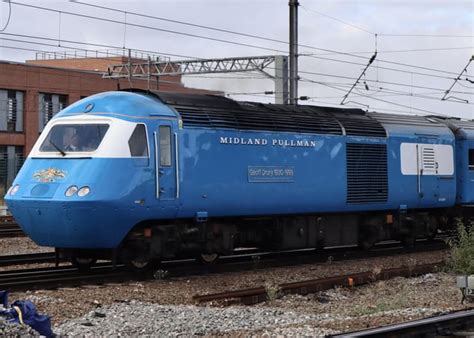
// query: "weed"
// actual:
[[273, 291], [462, 250]]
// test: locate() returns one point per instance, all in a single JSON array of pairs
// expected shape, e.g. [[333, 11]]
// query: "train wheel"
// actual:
[[140, 265], [83, 263], [408, 241], [208, 259]]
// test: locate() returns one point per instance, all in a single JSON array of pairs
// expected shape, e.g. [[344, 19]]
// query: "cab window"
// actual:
[[74, 138], [138, 143], [165, 146]]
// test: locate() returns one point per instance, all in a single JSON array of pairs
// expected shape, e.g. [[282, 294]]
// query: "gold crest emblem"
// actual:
[[49, 175]]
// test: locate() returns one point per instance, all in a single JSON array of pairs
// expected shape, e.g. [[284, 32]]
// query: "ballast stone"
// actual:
[[142, 318]]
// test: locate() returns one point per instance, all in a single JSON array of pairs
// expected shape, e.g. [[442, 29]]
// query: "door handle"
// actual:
[[162, 190], [161, 172]]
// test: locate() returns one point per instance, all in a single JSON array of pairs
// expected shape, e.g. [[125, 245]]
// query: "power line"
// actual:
[[384, 82], [429, 35], [180, 22], [378, 67], [384, 34], [113, 55], [376, 99], [9, 16], [377, 109], [149, 27], [96, 45], [192, 57], [206, 37], [336, 19], [403, 50]]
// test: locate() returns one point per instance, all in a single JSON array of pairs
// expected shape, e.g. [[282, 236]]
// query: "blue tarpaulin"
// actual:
[[24, 312]]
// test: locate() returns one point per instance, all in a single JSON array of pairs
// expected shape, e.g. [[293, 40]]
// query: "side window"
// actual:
[[138, 143], [165, 146], [471, 159]]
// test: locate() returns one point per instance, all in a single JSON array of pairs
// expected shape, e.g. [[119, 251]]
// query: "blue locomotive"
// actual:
[[139, 176]]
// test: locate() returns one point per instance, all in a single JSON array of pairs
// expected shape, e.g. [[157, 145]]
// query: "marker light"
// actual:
[[71, 191], [83, 191], [14, 189]]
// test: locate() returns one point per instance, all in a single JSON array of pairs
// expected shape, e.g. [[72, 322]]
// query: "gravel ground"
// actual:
[[8, 329], [400, 299], [318, 314], [20, 245], [139, 318]]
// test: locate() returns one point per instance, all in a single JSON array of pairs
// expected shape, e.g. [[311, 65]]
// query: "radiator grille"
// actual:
[[367, 179], [362, 125], [219, 112]]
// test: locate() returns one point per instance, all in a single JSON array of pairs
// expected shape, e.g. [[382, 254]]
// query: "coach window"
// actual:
[[471, 159], [165, 146], [138, 143]]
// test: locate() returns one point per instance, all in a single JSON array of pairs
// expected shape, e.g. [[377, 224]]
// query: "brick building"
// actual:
[[32, 93]]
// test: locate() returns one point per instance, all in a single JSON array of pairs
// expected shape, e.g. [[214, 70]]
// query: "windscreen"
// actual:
[[66, 138]]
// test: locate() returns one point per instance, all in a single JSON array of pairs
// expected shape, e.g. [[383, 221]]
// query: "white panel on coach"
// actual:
[[427, 159]]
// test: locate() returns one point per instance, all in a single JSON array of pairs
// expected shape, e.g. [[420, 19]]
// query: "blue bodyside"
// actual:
[[213, 178], [436, 191], [221, 187]]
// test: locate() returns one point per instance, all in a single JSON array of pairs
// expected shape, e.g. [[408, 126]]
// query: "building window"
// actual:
[[50, 105], [11, 111], [11, 160]]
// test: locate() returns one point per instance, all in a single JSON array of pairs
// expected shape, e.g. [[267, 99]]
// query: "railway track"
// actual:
[[53, 277], [44, 278], [22, 259], [9, 228], [458, 324], [261, 294]]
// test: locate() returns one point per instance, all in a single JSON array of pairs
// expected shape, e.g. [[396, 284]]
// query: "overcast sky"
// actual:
[[448, 49]]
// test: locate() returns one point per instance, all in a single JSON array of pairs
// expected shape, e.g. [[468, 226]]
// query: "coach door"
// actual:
[[166, 162]]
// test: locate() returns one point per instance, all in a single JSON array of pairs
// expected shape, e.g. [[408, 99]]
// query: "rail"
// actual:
[[259, 294], [458, 324]]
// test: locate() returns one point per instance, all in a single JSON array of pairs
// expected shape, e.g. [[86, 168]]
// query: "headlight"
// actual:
[[83, 191], [71, 191], [14, 189]]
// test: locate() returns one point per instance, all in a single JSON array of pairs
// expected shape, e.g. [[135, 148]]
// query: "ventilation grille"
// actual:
[[260, 119], [362, 125], [220, 112], [428, 158], [367, 180]]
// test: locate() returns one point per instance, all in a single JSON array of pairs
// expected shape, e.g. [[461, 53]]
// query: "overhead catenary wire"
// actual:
[[401, 50], [377, 67], [96, 45], [336, 19], [327, 84], [445, 97], [192, 35], [377, 99], [193, 57], [209, 38], [360, 76], [429, 35], [8, 17]]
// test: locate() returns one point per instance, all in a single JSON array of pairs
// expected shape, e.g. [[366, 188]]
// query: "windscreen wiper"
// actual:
[[57, 148]]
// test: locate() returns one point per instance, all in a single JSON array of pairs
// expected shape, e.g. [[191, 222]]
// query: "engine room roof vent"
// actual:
[[219, 112]]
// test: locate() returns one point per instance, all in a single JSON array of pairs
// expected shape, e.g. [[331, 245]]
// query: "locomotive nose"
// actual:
[[85, 224]]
